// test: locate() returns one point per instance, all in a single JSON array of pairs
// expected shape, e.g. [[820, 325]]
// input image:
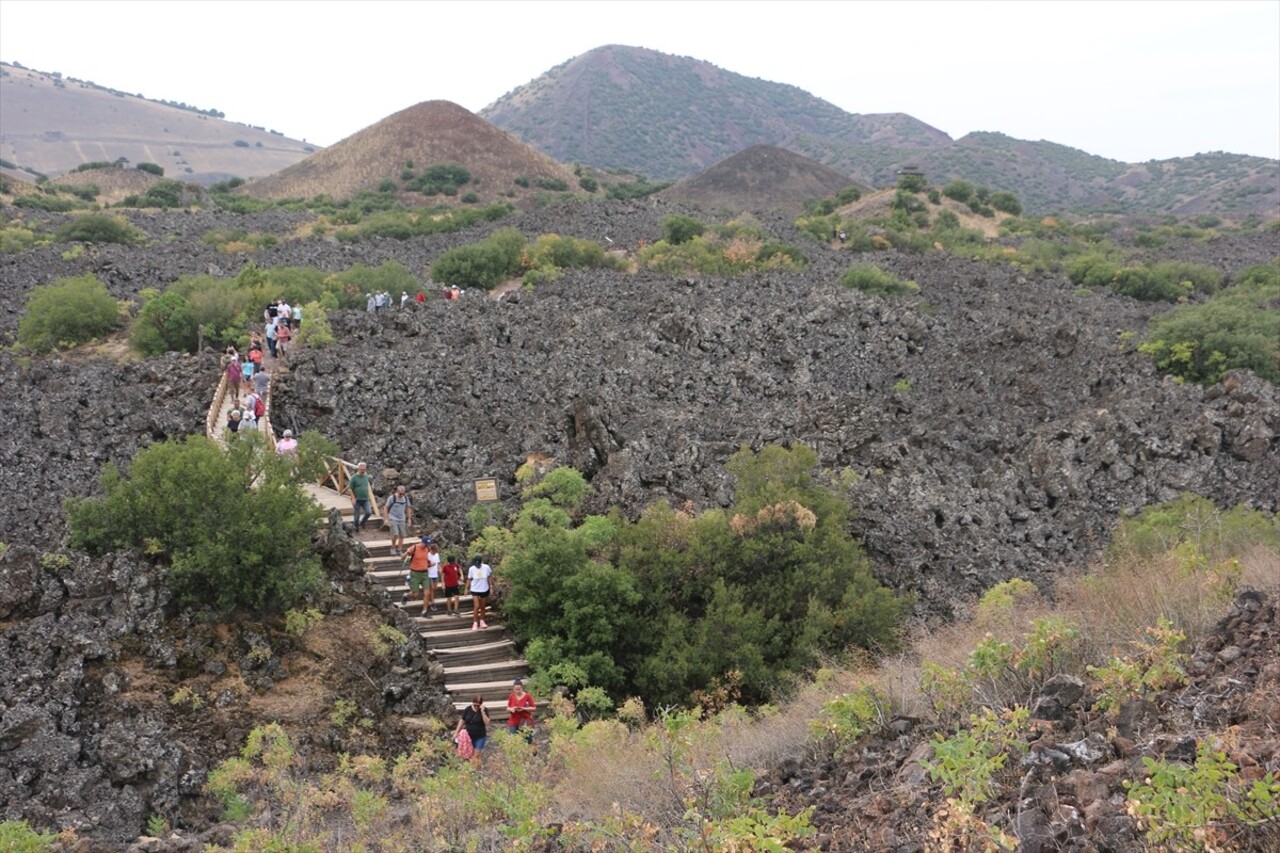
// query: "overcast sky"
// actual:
[[1133, 81]]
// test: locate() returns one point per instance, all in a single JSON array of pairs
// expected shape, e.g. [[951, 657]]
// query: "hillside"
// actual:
[[51, 124], [432, 133], [763, 177], [669, 117]]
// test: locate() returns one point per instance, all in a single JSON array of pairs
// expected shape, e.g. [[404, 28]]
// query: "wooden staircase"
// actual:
[[483, 662]]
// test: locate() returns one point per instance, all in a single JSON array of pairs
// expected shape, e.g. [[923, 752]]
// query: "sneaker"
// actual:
[[484, 624], [475, 627]]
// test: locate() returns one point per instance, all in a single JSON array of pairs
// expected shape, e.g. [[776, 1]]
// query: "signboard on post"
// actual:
[[487, 490]]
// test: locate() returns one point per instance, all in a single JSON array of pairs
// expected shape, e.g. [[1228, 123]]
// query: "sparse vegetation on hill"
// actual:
[[872, 280]]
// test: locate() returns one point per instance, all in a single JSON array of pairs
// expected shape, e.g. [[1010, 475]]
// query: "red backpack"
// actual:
[[259, 408]]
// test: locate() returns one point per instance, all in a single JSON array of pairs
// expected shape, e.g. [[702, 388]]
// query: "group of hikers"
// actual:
[[429, 573], [376, 303], [248, 374]]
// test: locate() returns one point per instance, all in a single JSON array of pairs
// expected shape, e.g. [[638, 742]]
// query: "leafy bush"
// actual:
[[42, 201], [553, 184], [588, 183], [152, 168], [402, 224], [17, 836], [875, 281], [315, 331], [178, 500], [14, 238], [612, 597], [638, 188], [1007, 203], [163, 194], [99, 228], [483, 264], [681, 229], [66, 312], [1204, 805], [959, 190], [1237, 328], [912, 182], [438, 179]]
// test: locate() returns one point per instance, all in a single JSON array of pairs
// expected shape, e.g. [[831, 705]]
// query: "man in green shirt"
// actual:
[[358, 488]]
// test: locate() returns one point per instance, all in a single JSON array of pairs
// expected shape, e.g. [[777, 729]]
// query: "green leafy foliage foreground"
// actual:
[[676, 603], [233, 526]]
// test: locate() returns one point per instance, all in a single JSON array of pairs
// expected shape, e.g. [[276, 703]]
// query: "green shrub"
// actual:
[[1204, 805], [152, 168], [1092, 270], [17, 836], [163, 194], [1237, 328], [875, 281], [439, 179], [1007, 203], [93, 165], [588, 183], [912, 182], [680, 229], [634, 189], [15, 238], [959, 190], [1146, 285], [315, 331], [66, 312], [50, 203], [558, 185], [481, 265], [176, 503], [98, 228]]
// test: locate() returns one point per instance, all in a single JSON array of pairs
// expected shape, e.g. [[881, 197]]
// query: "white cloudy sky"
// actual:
[[1133, 81]]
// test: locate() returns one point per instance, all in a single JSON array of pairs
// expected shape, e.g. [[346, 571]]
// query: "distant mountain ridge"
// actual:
[[50, 124], [668, 117]]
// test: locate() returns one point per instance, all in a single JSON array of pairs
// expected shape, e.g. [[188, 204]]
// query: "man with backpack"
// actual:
[[399, 514]]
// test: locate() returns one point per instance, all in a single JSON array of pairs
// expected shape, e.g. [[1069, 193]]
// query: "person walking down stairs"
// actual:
[[358, 488], [478, 580]]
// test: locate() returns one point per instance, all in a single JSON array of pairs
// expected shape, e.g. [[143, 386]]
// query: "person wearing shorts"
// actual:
[[451, 577], [399, 513], [433, 569], [418, 579], [478, 581]]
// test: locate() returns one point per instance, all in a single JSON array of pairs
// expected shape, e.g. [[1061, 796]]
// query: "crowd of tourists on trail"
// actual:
[[376, 303]]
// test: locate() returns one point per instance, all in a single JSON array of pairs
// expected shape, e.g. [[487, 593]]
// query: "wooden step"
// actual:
[[498, 650], [458, 638], [490, 690], [504, 672], [442, 622]]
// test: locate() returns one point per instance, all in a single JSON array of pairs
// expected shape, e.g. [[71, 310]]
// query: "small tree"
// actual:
[[179, 500], [153, 168], [67, 311]]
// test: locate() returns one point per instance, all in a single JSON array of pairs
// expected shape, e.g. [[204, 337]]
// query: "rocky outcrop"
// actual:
[[997, 431]]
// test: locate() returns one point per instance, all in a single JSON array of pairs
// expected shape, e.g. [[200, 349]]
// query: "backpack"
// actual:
[[259, 408]]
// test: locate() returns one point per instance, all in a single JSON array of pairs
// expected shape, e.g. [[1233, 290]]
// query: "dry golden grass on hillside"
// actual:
[[113, 184], [880, 203], [428, 134]]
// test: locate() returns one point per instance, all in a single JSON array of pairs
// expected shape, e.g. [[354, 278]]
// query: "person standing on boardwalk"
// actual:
[[287, 445], [478, 582], [233, 377], [283, 335], [358, 488], [271, 335], [418, 559], [399, 513], [520, 707], [451, 577]]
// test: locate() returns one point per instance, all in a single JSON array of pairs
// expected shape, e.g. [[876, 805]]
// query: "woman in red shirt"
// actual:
[[520, 707], [451, 578]]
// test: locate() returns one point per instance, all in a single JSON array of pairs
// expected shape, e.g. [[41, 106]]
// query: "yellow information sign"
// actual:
[[486, 490]]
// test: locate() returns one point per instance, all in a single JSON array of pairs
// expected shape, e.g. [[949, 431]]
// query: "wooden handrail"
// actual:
[[212, 423], [337, 474]]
